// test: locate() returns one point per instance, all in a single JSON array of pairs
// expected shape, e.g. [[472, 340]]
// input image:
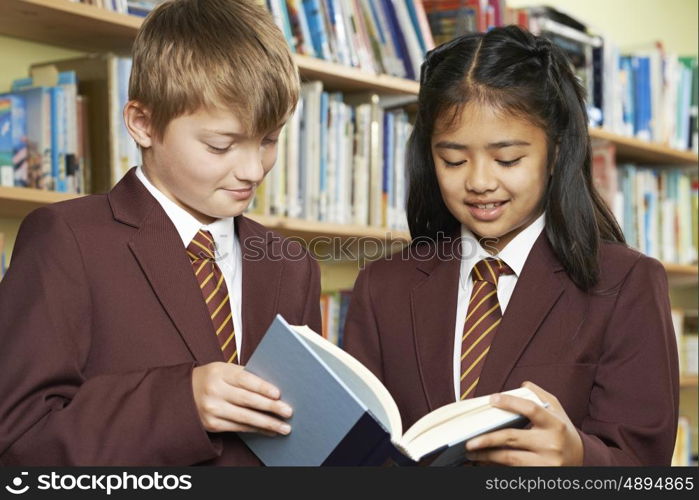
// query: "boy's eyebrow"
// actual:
[[234, 135], [493, 145]]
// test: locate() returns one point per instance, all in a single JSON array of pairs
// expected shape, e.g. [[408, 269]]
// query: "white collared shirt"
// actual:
[[514, 255], [229, 256]]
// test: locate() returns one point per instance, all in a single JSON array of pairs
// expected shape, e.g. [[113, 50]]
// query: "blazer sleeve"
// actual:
[[311, 312], [361, 334], [51, 412], [633, 408]]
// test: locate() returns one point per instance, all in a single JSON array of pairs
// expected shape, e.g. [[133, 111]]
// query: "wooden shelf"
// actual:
[[18, 202], [338, 77], [689, 381], [635, 150], [682, 275], [310, 230], [72, 25]]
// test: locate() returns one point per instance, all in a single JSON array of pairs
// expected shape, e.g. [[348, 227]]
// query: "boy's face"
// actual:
[[207, 164]]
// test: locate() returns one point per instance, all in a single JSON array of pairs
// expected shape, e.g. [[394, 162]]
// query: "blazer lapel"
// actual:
[[158, 249], [262, 273], [433, 308], [538, 289]]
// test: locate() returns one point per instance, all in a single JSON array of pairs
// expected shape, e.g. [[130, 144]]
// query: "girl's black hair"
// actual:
[[525, 75]]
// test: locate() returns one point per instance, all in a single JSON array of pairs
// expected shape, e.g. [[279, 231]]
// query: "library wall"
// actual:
[[675, 22]]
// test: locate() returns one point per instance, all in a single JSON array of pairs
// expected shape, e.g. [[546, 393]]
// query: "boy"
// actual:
[[126, 318]]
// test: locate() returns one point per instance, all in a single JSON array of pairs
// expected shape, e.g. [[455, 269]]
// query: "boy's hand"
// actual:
[[552, 439], [229, 399]]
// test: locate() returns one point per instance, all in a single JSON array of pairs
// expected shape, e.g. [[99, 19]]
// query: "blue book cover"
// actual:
[[389, 183], [397, 36], [58, 136], [13, 131], [628, 105], [281, 16], [324, 132], [39, 140], [316, 26], [416, 24], [343, 414], [642, 97]]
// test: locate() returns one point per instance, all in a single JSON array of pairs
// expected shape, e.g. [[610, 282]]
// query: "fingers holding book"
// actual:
[[551, 440], [230, 399]]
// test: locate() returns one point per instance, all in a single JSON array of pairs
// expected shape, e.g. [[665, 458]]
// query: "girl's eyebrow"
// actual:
[[493, 145]]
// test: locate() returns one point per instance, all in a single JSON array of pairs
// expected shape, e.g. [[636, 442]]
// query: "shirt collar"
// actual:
[[514, 254], [185, 223]]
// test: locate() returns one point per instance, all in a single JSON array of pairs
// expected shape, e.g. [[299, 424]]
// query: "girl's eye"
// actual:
[[217, 151], [453, 164], [270, 141], [509, 163]]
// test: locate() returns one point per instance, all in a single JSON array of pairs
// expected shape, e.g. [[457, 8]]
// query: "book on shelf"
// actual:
[[377, 36], [340, 160], [3, 262], [40, 138], [102, 80], [14, 165], [653, 205], [682, 453], [686, 325], [44, 118], [343, 414], [333, 309]]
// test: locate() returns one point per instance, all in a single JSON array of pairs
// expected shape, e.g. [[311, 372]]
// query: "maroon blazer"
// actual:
[[609, 356], [102, 321]]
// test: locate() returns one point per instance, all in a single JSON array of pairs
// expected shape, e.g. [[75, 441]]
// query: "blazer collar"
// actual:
[[158, 248], [433, 308], [538, 288]]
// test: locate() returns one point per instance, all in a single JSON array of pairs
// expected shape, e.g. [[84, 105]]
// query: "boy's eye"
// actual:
[[510, 163], [268, 141], [216, 150]]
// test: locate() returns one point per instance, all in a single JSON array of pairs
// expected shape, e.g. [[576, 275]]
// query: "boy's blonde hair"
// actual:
[[225, 54]]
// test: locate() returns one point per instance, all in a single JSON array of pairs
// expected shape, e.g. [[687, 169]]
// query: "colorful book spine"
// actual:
[[13, 147]]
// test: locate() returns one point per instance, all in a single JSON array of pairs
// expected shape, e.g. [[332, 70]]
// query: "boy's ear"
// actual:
[[137, 120]]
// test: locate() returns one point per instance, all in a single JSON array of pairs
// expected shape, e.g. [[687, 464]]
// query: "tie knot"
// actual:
[[202, 246], [490, 270]]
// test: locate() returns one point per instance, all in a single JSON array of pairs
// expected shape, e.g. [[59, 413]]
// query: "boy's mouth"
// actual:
[[240, 194]]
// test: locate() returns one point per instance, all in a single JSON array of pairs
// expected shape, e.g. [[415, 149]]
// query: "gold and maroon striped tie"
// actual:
[[202, 254], [482, 320]]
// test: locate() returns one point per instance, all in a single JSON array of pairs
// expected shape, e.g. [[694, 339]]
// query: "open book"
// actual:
[[343, 414]]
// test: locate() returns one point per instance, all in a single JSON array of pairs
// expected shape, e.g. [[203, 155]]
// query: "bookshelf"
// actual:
[[91, 29]]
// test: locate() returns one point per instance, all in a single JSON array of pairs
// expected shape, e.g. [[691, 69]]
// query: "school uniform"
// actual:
[[102, 321], [609, 356]]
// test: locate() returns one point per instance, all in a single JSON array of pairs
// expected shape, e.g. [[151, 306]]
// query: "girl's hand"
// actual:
[[552, 439], [230, 399]]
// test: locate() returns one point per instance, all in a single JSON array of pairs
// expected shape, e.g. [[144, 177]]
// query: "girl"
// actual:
[[517, 273]]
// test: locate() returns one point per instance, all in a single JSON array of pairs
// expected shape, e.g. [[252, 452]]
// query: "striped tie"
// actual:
[[201, 252], [482, 320]]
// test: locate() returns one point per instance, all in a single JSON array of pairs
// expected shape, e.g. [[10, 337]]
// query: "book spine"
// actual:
[[364, 444]]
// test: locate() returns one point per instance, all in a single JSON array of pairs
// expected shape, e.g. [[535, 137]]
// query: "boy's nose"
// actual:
[[250, 168]]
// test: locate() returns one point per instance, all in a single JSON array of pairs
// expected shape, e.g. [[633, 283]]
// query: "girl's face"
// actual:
[[492, 172]]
